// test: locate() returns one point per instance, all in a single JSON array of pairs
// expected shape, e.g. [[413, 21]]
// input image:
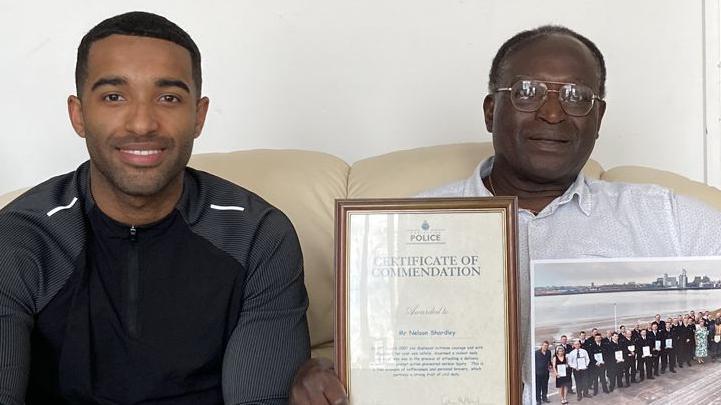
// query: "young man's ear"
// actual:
[[75, 111], [201, 111], [488, 104]]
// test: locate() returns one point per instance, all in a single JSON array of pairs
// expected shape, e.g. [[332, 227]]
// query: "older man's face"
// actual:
[[546, 145]]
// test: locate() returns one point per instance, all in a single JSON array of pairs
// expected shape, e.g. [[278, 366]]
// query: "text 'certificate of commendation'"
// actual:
[[427, 311]]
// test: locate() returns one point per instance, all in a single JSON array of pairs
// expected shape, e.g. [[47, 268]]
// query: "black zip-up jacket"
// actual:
[[203, 307]]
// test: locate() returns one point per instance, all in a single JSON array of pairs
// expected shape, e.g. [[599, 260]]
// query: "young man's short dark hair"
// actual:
[[139, 24]]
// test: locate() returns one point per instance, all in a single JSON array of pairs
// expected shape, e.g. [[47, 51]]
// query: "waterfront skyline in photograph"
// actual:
[[622, 271]]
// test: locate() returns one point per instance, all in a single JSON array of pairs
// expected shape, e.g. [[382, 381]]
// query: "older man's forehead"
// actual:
[[558, 58]]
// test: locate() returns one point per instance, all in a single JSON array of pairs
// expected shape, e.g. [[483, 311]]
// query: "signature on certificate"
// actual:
[[462, 400]]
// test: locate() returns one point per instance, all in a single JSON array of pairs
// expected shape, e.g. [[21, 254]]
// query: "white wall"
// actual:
[[360, 78]]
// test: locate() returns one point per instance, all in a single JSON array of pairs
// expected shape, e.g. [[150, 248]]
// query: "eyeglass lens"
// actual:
[[529, 96]]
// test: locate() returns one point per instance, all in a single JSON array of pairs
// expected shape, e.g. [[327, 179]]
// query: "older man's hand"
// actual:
[[316, 383]]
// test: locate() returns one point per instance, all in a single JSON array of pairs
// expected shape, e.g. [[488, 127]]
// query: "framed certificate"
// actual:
[[669, 343], [598, 357], [561, 368], [646, 351], [426, 301]]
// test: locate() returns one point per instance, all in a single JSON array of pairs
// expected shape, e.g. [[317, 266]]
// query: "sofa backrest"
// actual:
[[305, 184], [406, 173]]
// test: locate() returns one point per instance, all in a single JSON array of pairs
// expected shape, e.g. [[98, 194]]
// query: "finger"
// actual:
[[316, 397], [334, 391], [298, 396], [341, 401]]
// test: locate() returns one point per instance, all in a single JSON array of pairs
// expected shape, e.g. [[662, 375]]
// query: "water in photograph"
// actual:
[[567, 314]]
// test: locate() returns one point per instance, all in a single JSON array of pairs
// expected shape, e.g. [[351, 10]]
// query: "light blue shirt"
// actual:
[[599, 219]]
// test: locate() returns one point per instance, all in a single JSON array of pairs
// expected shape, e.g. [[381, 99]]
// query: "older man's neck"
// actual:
[[531, 195]]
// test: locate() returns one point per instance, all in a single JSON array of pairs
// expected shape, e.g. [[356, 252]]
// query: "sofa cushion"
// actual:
[[7, 197]]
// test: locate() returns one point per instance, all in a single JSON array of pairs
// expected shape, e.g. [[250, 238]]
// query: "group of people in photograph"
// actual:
[[625, 356]]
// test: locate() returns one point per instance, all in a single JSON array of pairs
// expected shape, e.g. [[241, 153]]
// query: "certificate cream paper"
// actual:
[[619, 356], [425, 300]]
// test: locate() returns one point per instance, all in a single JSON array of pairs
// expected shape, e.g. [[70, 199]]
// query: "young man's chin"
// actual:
[[143, 184]]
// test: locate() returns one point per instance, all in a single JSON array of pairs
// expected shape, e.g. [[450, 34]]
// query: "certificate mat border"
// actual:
[[507, 205]]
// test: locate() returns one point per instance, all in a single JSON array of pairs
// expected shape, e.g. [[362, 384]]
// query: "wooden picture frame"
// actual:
[[417, 282]]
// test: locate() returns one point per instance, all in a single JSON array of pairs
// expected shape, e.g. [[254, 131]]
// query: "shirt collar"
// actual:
[[474, 187]]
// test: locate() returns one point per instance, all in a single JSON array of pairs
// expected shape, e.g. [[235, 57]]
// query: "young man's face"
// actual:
[[139, 113]]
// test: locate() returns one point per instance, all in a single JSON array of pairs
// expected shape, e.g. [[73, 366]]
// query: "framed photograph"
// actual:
[[426, 308], [652, 323]]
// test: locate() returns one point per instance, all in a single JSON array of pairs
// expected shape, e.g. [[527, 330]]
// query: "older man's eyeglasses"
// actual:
[[529, 95]]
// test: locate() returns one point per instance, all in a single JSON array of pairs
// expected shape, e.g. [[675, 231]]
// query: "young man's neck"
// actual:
[[131, 209]]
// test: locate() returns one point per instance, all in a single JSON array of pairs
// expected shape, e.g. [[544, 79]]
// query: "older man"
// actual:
[[135, 279], [544, 108]]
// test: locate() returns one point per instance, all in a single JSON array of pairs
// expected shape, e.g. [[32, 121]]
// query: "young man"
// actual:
[[616, 362], [655, 335], [627, 341], [644, 356], [599, 363], [543, 368], [668, 353], [135, 279]]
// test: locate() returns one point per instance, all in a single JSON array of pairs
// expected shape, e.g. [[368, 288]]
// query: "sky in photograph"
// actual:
[[577, 273]]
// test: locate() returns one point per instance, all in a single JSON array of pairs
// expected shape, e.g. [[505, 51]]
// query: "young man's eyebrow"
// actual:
[[109, 81], [172, 83]]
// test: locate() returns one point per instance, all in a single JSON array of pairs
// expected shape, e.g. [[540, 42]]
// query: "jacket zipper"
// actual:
[[133, 284]]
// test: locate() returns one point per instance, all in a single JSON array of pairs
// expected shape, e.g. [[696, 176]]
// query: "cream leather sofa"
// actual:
[[305, 184]]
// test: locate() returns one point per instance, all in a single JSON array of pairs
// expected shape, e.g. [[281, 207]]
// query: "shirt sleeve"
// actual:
[[699, 227], [270, 340], [16, 322]]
